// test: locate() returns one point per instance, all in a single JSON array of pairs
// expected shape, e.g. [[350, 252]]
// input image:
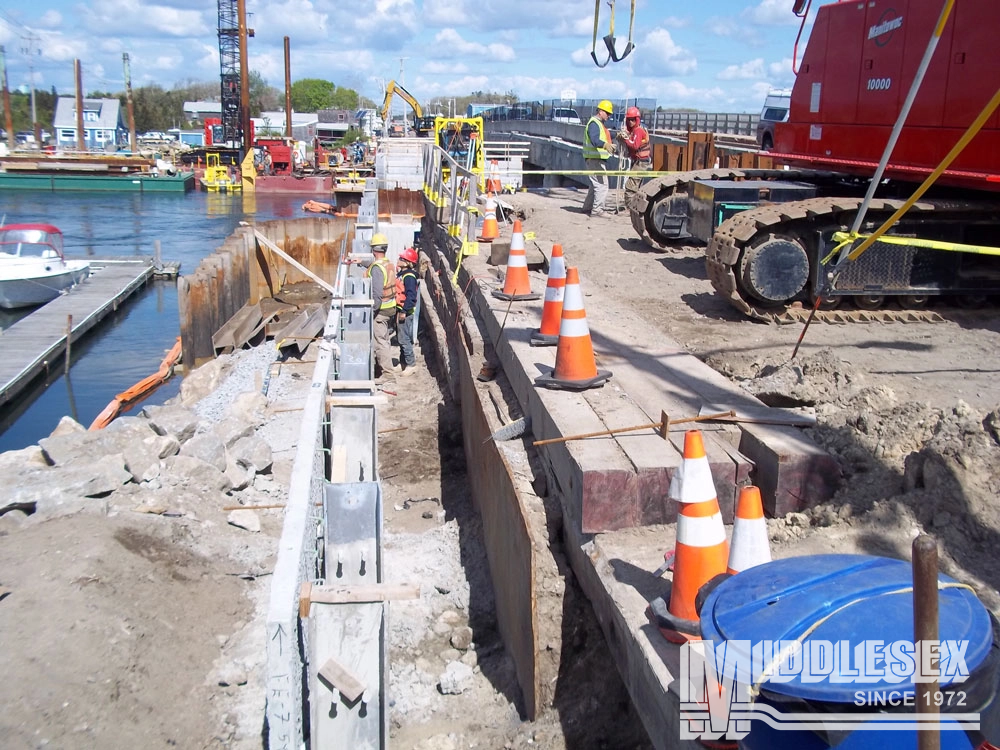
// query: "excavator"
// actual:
[[394, 88], [888, 195]]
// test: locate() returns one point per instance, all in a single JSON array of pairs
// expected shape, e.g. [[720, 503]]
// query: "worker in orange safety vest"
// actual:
[[383, 275], [636, 141]]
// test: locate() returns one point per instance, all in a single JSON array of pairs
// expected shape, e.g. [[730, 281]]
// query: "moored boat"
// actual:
[[33, 269]]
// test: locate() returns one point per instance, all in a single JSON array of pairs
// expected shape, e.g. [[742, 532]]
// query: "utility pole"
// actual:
[[130, 105], [247, 140], [31, 39], [81, 141], [288, 88], [8, 116]]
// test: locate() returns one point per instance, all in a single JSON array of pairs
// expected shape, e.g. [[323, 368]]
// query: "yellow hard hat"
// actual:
[[379, 239], [606, 106]]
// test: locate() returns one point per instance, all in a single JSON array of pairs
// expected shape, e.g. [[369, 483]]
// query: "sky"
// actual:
[[715, 56]]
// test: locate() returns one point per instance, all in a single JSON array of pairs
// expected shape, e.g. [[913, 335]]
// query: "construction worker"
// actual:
[[636, 141], [405, 310], [597, 149], [383, 277]]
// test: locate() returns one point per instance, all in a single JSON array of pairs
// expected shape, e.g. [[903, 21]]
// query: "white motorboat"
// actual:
[[33, 269]]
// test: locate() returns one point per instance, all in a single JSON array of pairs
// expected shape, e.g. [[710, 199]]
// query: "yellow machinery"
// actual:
[[462, 139], [394, 88], [217, 178]]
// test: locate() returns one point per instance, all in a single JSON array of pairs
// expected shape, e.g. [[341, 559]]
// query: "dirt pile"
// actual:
[[909, 467]]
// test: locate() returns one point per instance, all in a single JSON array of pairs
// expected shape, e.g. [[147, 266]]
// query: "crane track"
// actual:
[[725, 247], [659, 189]]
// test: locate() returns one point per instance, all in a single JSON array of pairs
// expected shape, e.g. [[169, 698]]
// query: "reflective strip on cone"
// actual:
[[573, 327], [692, 482], [555, 293], [704, 531], [750, 545]]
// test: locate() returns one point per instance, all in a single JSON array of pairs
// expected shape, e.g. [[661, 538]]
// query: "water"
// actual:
[[129, 344]]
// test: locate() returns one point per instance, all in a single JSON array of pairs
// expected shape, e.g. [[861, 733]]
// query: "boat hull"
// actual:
[[36, 289]]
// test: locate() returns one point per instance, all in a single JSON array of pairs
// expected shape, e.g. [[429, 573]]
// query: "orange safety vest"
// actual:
[[388, 283]]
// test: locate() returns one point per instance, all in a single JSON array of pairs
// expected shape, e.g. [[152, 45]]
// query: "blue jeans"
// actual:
[[405, 331]]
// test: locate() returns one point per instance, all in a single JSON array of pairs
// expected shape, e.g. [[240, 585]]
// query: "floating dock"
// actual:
[[103, 182], [31, 345]]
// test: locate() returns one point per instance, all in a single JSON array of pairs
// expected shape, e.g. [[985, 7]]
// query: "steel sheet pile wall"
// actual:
[[241, 272]]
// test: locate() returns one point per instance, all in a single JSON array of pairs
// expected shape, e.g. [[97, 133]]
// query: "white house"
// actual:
[[103, 126]]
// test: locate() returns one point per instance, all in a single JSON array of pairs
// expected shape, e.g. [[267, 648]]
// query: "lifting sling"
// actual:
[[609, 40]]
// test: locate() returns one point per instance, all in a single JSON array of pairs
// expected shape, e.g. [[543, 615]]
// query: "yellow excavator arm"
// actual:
[[395, 88]]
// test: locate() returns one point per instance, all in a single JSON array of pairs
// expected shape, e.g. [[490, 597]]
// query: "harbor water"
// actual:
[[129, 344]]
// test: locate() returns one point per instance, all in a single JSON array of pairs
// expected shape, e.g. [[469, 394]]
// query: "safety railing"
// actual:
[[453, 190]]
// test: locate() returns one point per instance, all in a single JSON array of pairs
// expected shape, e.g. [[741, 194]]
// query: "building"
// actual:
[[195, 112], [272, 125], [334, 124], [103, 126]]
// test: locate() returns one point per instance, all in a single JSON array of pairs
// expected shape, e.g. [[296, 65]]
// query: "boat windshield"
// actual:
[[31, 241]]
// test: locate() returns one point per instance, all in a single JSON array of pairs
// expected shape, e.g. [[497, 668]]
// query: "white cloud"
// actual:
[[772, 13], [50, 19], [781, 69], [445, 68], [298, 19], [722, 26], [658, 54], [749, 70], [570, 27], [449, 43], [673, 22], [143, 20], [438, 13]]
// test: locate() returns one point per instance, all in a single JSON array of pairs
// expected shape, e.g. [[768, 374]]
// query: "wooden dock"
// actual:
[[31, 345]]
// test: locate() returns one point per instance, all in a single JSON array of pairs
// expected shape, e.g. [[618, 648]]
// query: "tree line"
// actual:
[[157, 108]]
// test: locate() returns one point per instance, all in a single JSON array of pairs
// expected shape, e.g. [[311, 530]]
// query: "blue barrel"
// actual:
[[864, 598]]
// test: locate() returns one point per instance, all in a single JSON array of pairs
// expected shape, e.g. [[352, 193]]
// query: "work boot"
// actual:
[[407, 372]]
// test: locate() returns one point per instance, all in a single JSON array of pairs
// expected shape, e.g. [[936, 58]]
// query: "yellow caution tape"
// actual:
[[529, 235], [846, 238]]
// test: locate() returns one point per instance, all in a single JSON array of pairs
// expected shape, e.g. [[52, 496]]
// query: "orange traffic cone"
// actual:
[[555, 288], [575, 367], [750, 546], [701, 551], [490, 230], [493, 184], [517, 283]]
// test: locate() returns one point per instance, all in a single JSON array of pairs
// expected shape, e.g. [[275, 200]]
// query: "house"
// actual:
[[103, 126], [334, 124], [272, 124], [196, 112]]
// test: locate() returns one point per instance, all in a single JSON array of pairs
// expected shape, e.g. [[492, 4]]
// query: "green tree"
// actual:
[[312, 95], [344, 98], [263, 97]]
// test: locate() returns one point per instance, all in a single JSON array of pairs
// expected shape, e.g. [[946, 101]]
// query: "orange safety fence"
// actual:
[[143, 388]]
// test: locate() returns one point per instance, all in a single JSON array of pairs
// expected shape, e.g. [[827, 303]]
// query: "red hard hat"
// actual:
[[632, 112], [409, 254]]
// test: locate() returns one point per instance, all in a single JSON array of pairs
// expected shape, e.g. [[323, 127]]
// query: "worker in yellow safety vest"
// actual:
[[383, 276], [597, 149]]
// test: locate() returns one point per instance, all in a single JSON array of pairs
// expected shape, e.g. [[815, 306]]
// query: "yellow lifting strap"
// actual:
[[609, 40]]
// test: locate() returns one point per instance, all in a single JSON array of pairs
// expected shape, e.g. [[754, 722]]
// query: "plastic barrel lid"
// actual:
[[781, 600]]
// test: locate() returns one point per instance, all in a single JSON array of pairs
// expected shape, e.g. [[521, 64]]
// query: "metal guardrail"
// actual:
[[707, 122]]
